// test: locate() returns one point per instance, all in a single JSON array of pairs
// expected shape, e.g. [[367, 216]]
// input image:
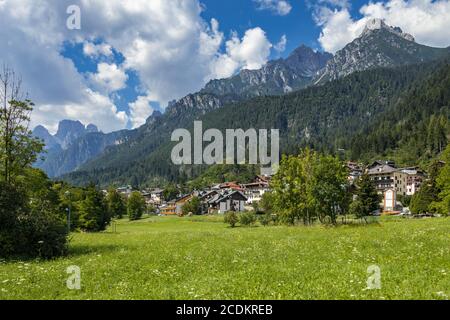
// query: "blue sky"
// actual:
[[131, 58], [298, 25]]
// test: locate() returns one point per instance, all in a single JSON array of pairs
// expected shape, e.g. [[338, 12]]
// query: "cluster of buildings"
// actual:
[[389, 180], [220, 198]]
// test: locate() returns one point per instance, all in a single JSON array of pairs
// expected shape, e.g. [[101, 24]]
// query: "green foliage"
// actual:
[[404, 199], [231, 218], [442, 204], [368, 198], [242, 263], [266, 203], [151, 209], [222, 173], [369, 114], [116, 204], [422, 200], [193, 206], [170, 192], [310, 186], [265, 219], [31, 223], [136, 206], [93, 211], [247, 218]]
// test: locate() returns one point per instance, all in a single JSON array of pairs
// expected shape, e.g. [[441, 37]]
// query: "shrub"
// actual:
[[247, 218], [265, 219], [31, 227], [231, 218], [193, 206]]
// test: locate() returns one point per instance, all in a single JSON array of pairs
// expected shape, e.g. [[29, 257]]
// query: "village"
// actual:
[[392, 183]]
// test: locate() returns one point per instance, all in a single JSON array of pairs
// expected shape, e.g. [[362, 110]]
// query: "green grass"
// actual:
[[201, 258]]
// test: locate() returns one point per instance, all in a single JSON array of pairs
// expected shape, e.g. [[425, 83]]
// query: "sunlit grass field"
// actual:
[[202, 258]]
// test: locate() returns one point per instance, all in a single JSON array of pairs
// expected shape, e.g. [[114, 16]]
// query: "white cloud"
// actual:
[[140, 110], [92, 108], [279, 7], [428, 21], [167, 44], [95, 50], [281, 45], [109, 77], [251, 52]]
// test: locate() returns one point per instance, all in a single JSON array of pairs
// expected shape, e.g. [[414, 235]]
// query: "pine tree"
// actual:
[[136, 206], [368, 198], [116, 204]]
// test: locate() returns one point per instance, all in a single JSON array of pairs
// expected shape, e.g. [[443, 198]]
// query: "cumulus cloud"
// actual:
[[95, 50], [428, 21], [167, 44], [109, 77], [140, 110], [251, 53], [279, 7]]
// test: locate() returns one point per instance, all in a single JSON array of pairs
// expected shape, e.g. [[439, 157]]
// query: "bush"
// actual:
[[247, 218], [265, 219], [231, 218], [31, 227], [193, 206], [42, 234]]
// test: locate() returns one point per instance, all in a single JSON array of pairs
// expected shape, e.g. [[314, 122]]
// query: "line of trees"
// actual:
[[434, 194], [314, 187], [31, 222]]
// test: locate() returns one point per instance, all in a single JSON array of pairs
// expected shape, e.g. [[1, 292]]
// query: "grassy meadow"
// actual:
[[202, 258]]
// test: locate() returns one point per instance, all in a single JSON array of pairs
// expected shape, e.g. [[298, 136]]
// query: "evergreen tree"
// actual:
[[442, 204], [136, 206], [93, 211], [368, 199], [116, 204], [422, 200]]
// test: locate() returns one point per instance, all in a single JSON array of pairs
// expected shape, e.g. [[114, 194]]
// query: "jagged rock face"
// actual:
[[91, 128], [69, 131], [378, 24], [73, 145], [307, 62], [195, 102], [378, 46], [42, 133], [276, 77]]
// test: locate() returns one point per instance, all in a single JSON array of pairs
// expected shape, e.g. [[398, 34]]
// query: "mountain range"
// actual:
[[321, 99]]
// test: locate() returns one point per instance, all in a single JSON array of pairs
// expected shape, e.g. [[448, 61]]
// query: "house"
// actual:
[[230, 186], [125, 190], [227, 200], [168, 209], [255, 190], [355, 171], [414, 179], [385, 175], [156, 197]]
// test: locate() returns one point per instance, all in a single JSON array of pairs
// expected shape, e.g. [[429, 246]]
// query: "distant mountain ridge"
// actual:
[[378, 46], [72, 145]]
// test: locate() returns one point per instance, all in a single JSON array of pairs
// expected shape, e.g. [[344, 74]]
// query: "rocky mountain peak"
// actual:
[[379, 24], [91, 128]]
